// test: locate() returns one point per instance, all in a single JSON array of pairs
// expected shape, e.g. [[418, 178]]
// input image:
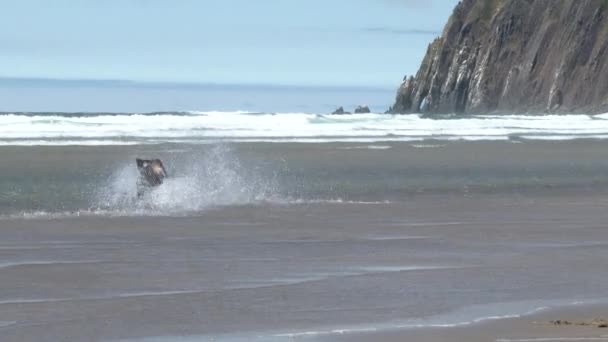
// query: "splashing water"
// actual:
[[215, 178]]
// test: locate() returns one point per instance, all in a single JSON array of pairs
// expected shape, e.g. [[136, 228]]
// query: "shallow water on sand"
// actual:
[[295, 241], [65, 181]]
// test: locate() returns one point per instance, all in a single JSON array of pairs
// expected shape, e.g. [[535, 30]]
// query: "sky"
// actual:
[[285, 42]]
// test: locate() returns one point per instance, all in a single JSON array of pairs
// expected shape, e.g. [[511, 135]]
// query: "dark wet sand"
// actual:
[[531, 328], [266, 270]]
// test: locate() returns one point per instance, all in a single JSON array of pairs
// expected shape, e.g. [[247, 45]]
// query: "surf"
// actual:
[[195, 127]]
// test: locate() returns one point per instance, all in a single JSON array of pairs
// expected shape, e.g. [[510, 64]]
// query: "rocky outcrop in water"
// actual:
[[340, 111], [514, 56], [362, 110], [358, 110]]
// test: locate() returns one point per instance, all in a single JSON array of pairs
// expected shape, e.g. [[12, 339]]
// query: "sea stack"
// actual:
[[514, 56], [340, 111], [362, 110]]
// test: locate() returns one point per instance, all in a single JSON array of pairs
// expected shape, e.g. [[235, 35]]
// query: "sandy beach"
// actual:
[[331, 242], [530, 328]]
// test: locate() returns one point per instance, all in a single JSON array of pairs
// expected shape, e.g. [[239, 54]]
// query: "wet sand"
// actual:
[[275, 272], [530, 328], [359, 240]]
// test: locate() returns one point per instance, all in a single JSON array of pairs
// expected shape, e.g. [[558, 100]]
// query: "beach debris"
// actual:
[[596, 322]]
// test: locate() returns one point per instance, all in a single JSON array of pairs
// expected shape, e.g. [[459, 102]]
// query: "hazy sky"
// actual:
[[297, 42]]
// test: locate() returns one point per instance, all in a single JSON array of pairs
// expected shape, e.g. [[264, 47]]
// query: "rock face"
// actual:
[[514, 56]]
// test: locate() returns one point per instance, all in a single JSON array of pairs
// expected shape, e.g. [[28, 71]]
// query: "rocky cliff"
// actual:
[[514, 56]]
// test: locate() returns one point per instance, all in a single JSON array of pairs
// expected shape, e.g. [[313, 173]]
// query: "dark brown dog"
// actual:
[[151, 174]]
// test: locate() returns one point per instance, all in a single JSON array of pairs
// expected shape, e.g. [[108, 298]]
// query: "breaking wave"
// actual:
[[26, 129]]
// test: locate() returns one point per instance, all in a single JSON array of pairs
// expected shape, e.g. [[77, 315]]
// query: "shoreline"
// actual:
[[535, 326], [415, 235], [538, 326]]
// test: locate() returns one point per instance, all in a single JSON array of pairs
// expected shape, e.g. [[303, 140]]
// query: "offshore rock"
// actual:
[[514, 56], [340, 111], [362, 110]]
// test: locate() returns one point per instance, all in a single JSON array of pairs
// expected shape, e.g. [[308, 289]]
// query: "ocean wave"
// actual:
[[243, 126]]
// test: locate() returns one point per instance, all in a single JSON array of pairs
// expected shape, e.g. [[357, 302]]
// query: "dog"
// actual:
[[152, 173]]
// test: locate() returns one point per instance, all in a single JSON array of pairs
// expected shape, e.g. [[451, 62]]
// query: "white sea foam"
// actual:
[[306, 277], [396, 269], [6, 324], [333, 201], [366, 147], [427, 146], [214, 179], [215, 185], [201, 127], [46, 263], [165, 207], [100, 297]]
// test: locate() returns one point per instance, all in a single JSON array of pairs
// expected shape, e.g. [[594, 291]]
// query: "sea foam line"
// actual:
[[327, 332], [393, 326], [100, 129], [6, 324], [5, 265], [87, 298], [361, 329]]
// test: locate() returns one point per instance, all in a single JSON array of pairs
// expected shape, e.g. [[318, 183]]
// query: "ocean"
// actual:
[[292, 224], [61, 129]]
